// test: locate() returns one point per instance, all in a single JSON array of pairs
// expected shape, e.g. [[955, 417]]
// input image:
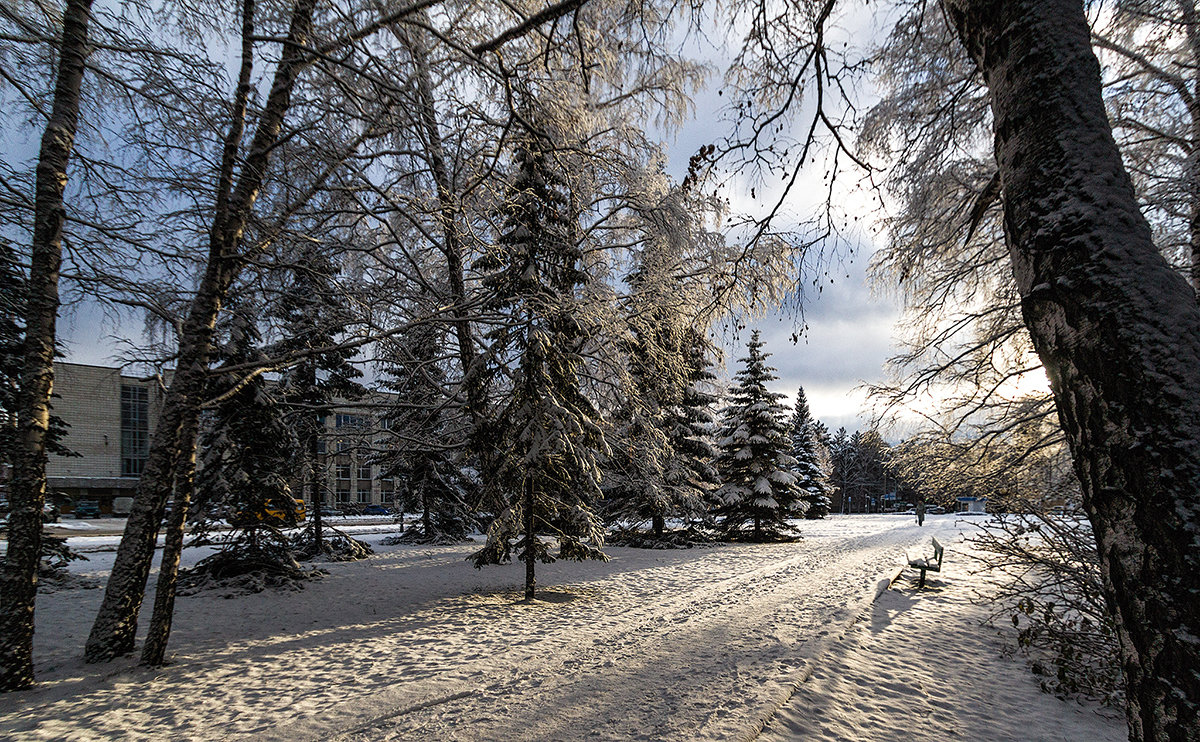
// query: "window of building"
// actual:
[[321, 445], [343, 471], [349, 421], [364, 471], [387, 496], [364, 494], [343, 495], [135, 429]]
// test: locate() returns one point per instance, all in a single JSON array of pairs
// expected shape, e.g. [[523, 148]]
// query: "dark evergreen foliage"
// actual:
[[661, 464], [427, 466], [313, 312], [247, 447], [805, 450], [12, 338], [549, 432], [759, 493]]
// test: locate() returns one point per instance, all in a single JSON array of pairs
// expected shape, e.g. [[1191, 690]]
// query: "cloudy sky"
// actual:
[[849, 329]]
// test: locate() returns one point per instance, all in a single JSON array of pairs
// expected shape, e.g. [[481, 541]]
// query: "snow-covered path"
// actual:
[[415, 644]]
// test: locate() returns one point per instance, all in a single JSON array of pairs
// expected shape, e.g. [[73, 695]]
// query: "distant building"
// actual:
[[352, 440], [112, 417], [972, 505]]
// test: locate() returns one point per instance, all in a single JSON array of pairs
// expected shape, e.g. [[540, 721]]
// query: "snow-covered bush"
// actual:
[[1050, 589]]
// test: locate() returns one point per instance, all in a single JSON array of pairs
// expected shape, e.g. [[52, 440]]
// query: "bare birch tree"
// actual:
[[1113, 324], [27, 489]]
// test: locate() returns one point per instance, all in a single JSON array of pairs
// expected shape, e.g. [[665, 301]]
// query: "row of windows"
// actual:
[[135, 429], [358, 421], [342, 471], [363, 496]]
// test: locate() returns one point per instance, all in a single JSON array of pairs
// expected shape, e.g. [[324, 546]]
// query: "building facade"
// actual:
[[351, 444], [112, 418]]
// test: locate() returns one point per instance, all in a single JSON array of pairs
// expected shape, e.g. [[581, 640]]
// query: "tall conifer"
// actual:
[[758, 493], [810, 480], [550, 437]]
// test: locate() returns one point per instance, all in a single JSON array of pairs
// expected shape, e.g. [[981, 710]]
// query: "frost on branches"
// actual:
[[660, 468], [806, 450], [758, 493], [428, 467], [549, 435]]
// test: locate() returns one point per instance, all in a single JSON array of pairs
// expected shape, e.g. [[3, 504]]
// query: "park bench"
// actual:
[[928, 563]]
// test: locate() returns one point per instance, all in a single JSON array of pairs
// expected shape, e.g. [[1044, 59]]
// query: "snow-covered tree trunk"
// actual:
[[27, 490], [115, 628], [1118, 331], [155, 649], [452, 249]]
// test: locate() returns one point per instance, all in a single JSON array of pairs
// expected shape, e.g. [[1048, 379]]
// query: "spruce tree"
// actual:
[[429, 473], [841, 465], [758, 493], [312, 311], [549, 435], [12, 342], [661, 463], [690, 423], [247, 448], [806, 451]]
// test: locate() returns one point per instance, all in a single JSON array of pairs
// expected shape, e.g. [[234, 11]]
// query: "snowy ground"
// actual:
[[699, 644]]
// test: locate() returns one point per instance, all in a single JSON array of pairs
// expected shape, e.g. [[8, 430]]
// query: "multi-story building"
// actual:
[[112, 416], [347, 454]]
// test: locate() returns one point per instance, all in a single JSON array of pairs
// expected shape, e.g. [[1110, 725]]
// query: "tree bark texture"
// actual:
[[1118, 332], [114, 631], [27, 490], [452, 250], [155, 649], [530, 582]]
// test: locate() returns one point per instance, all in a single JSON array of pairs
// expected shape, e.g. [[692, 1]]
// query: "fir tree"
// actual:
[[841, 464], [54, 551], [549, 432], [12, 340], [690, 424], [810, 479], [759, 493], [429, 474], [660, 468], [313, 313], [247, 448]]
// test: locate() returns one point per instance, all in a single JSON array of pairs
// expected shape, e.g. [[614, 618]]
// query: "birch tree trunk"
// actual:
[[114, 631], [451, 247], [154, 651], [1118, 331], [27, 490]]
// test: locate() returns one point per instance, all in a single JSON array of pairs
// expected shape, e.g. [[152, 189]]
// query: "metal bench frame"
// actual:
[[928, 564]]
